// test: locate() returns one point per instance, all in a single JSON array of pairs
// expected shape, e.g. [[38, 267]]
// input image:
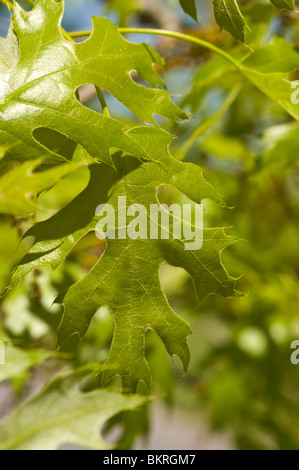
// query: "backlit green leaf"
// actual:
[[38, 88], [126, 278]]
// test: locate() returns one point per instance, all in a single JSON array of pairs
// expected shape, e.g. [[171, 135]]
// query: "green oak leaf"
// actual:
[[61, 414], [189, 7], [126, 278], [38, 87], [284, 4], [229, 17]]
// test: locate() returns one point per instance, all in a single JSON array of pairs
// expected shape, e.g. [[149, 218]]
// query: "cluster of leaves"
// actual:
[[242, 371], [110, 296], [47, 131], [228, 14]]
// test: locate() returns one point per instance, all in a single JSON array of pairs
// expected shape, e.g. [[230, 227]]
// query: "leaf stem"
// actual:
[[103, 101], [170, 34], [7, 3], [66, 35]]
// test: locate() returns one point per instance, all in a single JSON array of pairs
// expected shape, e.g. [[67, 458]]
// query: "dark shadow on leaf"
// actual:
[[55, 142], [33, 256]]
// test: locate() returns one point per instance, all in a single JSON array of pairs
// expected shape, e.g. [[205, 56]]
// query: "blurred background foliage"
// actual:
[[241, 377]]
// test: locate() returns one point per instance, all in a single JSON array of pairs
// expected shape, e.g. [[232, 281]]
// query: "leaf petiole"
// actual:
[[7, 3], [103, 101]]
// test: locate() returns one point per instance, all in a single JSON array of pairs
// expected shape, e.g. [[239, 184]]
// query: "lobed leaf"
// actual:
[[126, 278], [38, 87], [39, 101]]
